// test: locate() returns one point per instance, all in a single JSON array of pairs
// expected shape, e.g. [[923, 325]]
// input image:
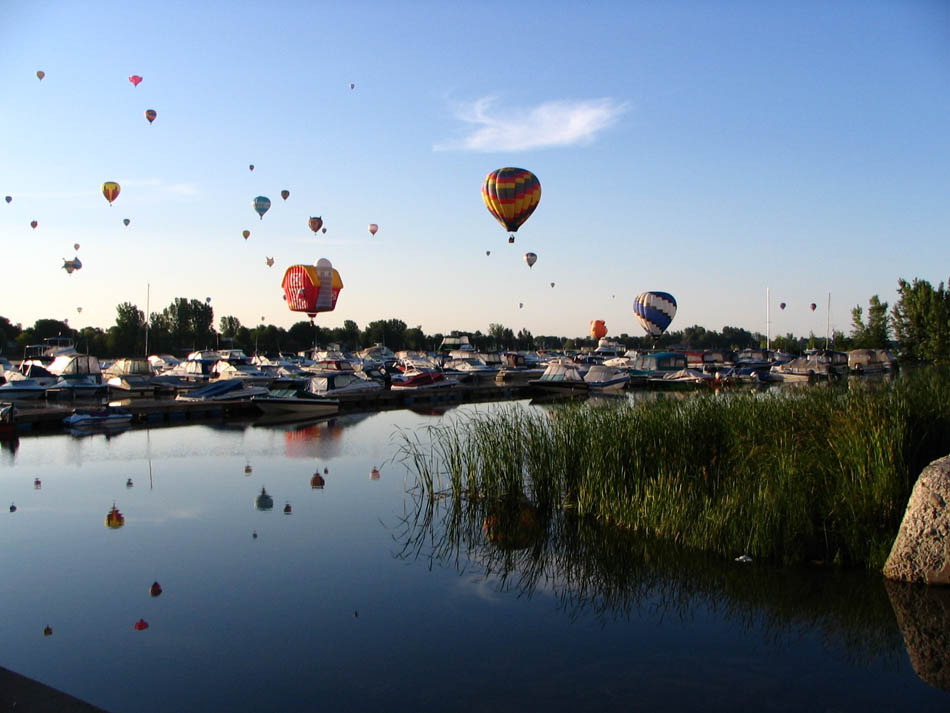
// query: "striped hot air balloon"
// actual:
[[511, 195], [655, 311], [110, 189]]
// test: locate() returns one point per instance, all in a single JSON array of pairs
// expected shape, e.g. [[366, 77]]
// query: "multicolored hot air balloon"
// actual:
[[33, 224], [8, 199], [813, 306], [150, 114], [40, 74], [79, 310], [135, 79], [285, 194], [312, 288], [114, 518], [246, 234], [315, 223], [781, 305], [125, 222], [110, 189], [598, 330], [655, 311], [75, 246], [261, 205], [530, 258], [71, 266], [373, 228], [511, 195]]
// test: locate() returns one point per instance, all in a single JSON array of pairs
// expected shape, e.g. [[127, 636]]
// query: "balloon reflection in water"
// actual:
[[374, 474], [264, 501], [114, 518], [317, 481], [140, 625], [513, 528]]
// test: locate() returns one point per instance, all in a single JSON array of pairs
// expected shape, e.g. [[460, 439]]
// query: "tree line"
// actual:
[[917, 328]]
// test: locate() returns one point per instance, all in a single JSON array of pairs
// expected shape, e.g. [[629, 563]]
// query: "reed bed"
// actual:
[[790, 475]]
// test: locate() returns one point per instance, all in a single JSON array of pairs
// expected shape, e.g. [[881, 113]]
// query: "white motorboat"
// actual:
[[470, 369], [22, 389], [295, 402], [682, 378], [563, 375], [130, 377], [606, 378], [414, 379], [819, 364], [108, 416], [870, 361], [340, 383], [222, 390], [245, 372], [82, 386]]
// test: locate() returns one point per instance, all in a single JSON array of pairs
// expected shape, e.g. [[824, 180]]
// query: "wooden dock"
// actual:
[[48, 416]]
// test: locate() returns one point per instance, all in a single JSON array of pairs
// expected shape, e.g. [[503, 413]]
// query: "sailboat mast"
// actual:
[[148, 294], [828, 327], [768, 317]]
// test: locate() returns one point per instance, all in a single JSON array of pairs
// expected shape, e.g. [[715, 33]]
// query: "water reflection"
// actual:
[[314, 437], [924, 617], [598, 570]]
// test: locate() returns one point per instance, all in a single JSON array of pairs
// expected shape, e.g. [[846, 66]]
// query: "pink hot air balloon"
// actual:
[[33, 224], [135, 79], [813, 306], [373, 228], [781, 305]]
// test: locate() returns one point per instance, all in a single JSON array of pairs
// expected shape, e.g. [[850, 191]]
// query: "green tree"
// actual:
[[921, 320], [876, 333], [127, 336], [229, 326], [391, 332]]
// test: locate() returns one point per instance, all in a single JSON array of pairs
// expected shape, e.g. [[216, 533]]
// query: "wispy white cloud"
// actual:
[[553, 123]]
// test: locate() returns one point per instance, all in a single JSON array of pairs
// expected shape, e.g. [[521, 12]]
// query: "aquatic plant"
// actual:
[[789, 475]]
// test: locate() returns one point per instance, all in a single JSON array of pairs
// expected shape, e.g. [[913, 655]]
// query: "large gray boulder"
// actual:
[[921, 552]]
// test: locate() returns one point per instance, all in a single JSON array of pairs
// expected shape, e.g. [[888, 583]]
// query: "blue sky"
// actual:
[[707, 149]]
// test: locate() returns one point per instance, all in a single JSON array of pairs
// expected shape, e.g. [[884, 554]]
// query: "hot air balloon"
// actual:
[[287, 509], [263, 501], [40, 74], [75, 246], [488, 252], [8, 199], [285, 194], [140, 625], [208, 300], [316, 222], [261, 205], [511, 195], [48, 631], [125, 222], [530, 258], [312, 288], [110, 189], [246, 234], [150, 114], [520, 305], [71, 265], [324, 231], [155, 590], [654, 311], [269, 261], [781, 305], [812, 306], [598, 330], [373, 228], [352, 86], [33, 224], [114, 518], [552, 284], [135, 79], [250, 167], [79, 310]]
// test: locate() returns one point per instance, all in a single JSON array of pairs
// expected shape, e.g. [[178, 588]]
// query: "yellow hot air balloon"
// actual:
[[110, 189]]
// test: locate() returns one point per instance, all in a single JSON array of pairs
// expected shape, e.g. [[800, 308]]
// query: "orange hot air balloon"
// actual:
[[33, 224], [40, 74], [373, 228], [316, 222], [246, 234], [285, 194], [598, 330], [110, 189], [312, 288], [135, 79], [150, 114], [114, 518]]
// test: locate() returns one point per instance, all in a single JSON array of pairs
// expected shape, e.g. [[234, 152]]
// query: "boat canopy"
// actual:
[[73, 364]]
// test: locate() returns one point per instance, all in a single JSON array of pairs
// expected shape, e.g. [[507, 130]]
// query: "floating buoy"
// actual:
[[155, 589], [287, 509], [140, 625]]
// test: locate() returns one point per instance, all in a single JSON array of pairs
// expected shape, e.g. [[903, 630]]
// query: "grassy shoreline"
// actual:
[[791, 476]]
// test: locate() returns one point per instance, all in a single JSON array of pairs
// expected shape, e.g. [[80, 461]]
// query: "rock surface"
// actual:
[[921, 552]]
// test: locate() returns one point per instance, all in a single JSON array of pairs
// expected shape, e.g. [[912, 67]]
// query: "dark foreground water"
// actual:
[[366, 597]]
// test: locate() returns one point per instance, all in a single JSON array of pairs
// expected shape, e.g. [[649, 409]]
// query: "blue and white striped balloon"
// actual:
[[655, 311]]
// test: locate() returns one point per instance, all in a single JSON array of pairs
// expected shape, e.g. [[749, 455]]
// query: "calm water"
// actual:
[[365, 599]]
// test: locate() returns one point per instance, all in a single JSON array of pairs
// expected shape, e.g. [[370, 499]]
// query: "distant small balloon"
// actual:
[[246, 234], [251, 167], [33, 224], [530, 258], [781, 305], [552, 284], [373, 228], [488, 252], [110, 189], [261, 205], [150, 114], [352, 86], [40, 74], [520, 305], [8, 199], [285, 194], [79, 309], [135, 79], [269, 261], [813, 306], [324, 231], [155, 590], [48, 631], [315, 222], [208, 300], [75, 246], [126, 221], [140, 625]]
